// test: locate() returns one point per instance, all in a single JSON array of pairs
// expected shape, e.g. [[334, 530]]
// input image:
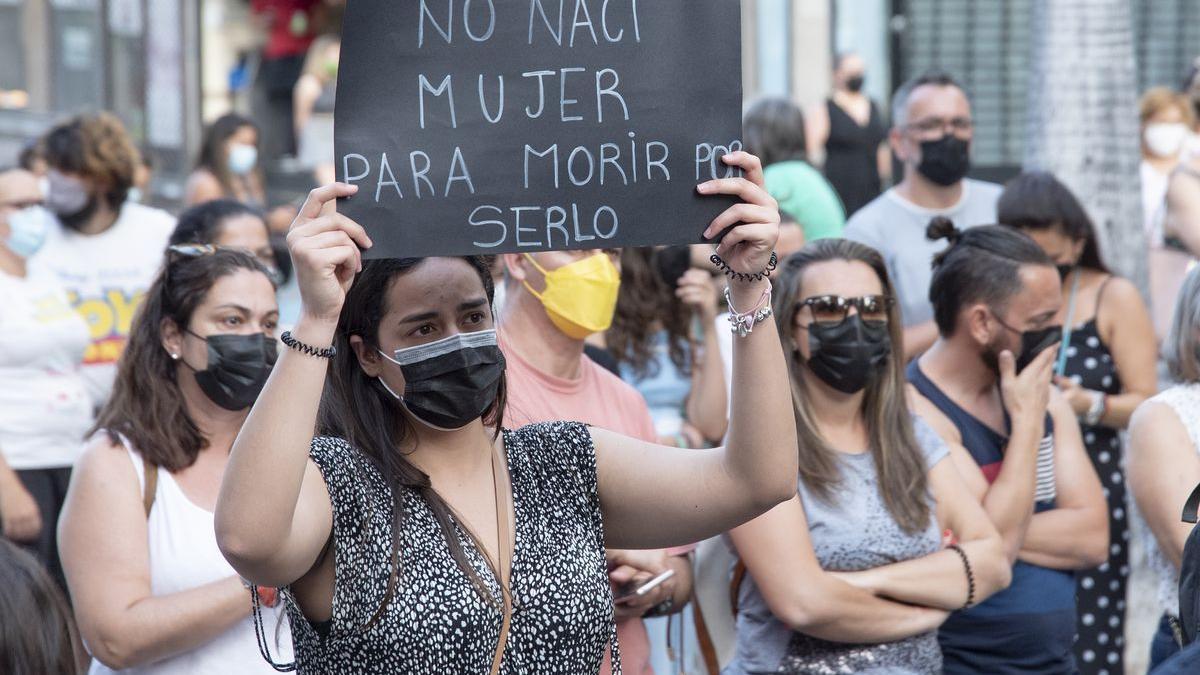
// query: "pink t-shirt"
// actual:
[[600, 399]]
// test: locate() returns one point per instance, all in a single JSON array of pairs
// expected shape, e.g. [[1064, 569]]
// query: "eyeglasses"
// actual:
[[834, 309], [959, 126]]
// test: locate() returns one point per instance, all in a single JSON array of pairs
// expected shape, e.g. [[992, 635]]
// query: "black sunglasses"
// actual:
[[834, 309]]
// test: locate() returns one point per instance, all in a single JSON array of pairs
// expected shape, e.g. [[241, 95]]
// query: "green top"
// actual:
[[804, 193]]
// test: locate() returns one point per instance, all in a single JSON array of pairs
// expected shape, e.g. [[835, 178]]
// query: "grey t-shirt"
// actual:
[[895, 227], [854, 533]]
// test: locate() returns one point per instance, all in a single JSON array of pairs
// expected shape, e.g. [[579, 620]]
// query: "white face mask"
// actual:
[[1165, 139], [242, 158]]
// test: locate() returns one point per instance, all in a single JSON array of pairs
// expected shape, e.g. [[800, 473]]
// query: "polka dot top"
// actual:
[[436, 622]]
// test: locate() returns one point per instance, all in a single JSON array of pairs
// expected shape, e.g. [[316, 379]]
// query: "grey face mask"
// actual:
[[65, 195]]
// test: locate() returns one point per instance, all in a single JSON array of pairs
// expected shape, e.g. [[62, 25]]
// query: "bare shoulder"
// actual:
[[104, 466], [1156, 421], [935, 418]]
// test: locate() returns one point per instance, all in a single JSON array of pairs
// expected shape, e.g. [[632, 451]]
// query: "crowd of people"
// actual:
[[893, 442]]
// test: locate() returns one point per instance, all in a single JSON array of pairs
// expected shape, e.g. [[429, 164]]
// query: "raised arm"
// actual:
[[1074, 535], [939, 580], [274, 516], [697, 494], [102, 539], [1163, 469], [778, 555]]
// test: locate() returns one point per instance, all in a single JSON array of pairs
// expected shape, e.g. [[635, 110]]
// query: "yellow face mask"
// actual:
[[580, 297]]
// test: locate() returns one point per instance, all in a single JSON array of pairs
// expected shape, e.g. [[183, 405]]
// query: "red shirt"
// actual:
[[286, 16]]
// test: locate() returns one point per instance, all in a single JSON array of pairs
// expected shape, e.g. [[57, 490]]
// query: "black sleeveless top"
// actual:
[[850, 156], [436, 622]]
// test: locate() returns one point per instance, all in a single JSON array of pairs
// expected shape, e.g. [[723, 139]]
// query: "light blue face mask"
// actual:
[[242, 158], [28, 229]]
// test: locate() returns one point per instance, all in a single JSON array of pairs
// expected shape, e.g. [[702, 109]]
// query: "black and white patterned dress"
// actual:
[[1100, 592], [563, 613]]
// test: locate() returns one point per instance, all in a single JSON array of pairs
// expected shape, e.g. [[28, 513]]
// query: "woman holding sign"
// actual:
[[418, 535]]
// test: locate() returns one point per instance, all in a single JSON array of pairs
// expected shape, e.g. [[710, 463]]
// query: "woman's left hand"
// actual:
[[752, 227], [1079, 398]]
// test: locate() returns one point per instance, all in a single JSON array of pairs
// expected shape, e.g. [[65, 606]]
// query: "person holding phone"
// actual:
[[852, 574], [417, 534], [985, 387], [1105, 369]]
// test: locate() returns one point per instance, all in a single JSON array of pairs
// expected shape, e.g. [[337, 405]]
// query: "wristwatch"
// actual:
[[1094, 413]]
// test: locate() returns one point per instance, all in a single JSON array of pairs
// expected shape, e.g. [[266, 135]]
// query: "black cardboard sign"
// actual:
[[496, 126]]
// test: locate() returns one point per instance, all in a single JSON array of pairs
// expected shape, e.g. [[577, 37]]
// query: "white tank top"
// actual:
[[1184, 400], [183, 556]]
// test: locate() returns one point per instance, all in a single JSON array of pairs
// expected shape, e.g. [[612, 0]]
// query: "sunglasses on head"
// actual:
[[834, 309]]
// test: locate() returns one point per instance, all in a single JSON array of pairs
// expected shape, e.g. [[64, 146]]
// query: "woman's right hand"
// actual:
[[1027, 394], [325, 248], [20, 518]]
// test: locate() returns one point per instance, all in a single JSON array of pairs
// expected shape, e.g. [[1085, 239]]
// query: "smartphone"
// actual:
[[629, 591]]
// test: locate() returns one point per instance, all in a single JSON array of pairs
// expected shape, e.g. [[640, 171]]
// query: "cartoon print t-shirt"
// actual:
[[105, 277]]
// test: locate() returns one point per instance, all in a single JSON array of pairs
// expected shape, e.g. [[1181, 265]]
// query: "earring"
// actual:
[[174, 356]]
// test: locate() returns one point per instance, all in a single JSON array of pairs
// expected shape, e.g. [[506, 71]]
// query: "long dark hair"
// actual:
[[646, 298], [1036, 200], [357, 408], [212, 147], [37, 634], [146, 405], [899, 465]]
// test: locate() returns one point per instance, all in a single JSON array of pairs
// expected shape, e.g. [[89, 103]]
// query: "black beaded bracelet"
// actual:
[[970, 575], [745, 276], [326, 353]]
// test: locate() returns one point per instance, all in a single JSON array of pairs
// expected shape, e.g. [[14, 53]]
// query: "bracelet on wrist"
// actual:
[[743, 323], [745, 276], [970, 574], [317, 352], [1099, 406]]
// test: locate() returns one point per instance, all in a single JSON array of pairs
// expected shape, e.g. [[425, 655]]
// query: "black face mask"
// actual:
[[1033, 342], [76, 221], [855, 83], [450, 383], [238, 367], [848, 356], [946, 160]]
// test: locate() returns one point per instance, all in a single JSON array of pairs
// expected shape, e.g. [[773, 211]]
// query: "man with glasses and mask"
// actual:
[[984, 386], [931, 135], [554, 301]]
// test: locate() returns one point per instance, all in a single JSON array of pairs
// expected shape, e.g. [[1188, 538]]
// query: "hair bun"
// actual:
[[941, 227]]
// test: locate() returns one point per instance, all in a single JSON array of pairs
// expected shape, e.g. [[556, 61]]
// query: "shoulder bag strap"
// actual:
[[735, 584], [504, 566], [1190, 507], [149, 484]]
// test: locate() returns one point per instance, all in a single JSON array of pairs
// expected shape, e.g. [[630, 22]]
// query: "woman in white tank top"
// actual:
[[1164, 458], [151, 590]]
